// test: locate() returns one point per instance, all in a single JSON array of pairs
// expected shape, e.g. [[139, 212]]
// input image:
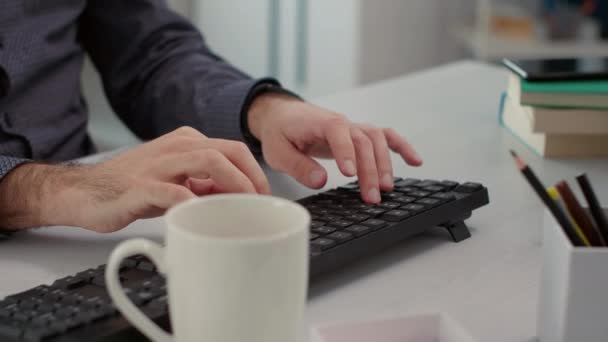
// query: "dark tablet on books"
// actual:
[[559, 69]]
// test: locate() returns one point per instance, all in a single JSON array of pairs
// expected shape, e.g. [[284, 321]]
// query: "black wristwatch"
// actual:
[[266, 86]]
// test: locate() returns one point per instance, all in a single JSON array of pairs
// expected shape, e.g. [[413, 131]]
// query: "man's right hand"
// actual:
[[141, 183]]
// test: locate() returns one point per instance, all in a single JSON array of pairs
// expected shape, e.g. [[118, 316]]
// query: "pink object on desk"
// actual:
[[415, 328]]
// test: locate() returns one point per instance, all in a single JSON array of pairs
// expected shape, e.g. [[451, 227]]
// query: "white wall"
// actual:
[[333, 46], [238, 29], [399, 36]]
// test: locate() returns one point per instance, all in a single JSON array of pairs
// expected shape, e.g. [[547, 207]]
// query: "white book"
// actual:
[[552, 145]]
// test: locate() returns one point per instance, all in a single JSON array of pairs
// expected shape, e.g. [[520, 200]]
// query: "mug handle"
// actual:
[[124, 250]]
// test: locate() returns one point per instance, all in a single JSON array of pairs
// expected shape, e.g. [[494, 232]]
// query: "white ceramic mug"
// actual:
[[236, 268]]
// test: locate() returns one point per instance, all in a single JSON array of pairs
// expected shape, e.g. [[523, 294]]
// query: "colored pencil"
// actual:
[[594, 205], [579, 214], [539, 188], [554, 194]]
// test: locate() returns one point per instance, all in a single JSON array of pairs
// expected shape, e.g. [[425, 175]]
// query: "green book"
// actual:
[[567, 94]]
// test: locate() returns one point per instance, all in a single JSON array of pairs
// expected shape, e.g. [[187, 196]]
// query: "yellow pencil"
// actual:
[[554, 194]]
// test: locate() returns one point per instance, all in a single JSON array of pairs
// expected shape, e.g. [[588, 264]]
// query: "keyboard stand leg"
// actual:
[[458, 230]]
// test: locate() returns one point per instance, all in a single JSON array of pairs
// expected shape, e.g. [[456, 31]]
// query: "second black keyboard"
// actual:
[[343, 230]]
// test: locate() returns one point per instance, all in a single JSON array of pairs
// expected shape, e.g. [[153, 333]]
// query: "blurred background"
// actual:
[[320, 47]]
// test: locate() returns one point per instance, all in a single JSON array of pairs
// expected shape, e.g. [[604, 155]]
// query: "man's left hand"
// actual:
[[293, 132]]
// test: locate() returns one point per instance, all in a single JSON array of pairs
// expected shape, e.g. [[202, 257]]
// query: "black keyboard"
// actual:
[[344, 229]]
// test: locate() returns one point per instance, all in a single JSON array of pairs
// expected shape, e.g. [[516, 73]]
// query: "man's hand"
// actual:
[[292, 132], [143, 182]]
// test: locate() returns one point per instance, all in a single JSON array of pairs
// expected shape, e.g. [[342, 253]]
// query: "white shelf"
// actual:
[[489, 47]]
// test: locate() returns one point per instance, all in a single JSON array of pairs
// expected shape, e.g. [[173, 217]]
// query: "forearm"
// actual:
[[29, 194]]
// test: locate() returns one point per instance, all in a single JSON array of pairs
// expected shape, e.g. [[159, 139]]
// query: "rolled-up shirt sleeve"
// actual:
[[159, 74]]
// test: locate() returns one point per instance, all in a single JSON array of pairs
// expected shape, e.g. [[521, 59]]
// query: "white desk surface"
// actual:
[[488, 283]]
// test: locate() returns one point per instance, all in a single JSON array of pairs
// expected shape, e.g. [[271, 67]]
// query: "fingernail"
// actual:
[[349, 167], [374, 195], [387, 180], [417, 157], [316, 178]]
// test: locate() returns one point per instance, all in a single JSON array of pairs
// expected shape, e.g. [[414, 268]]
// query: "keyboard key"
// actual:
[[390, 195], [406, 189], [396, 215], [419, 194], [70, 283], [9, 329], [20, 317], [407, 182], [6, 302], [429, 202], [317, 224], [358, 230], [373, 211], [405, 200], [360, 206], [128, 262], [338, 206], [426, 183], [357, 217], [348, 203], [340, 224], [320, 211], [414, 207], [390, 205], [160, 302], [343, 212], [44, 319], [38, 291], [468, 187], [374, 224], [324, 230], [433, 188], [322, 244], [449, 185], [330, 218], [29, 304], [341, 237], [144, 297], [444, 196], [6, 313], [57, 295]]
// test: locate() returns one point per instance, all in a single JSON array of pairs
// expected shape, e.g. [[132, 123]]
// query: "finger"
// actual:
[[284, 157], [383, 158], [237, 152], [366, 166], [163, 195], [201, 187], [240, 155], [205, 163], [337, 134], [398, 144]]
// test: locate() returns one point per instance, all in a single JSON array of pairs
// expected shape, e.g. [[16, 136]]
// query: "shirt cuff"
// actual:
[[227, 107], [7, 164], [266, 86]]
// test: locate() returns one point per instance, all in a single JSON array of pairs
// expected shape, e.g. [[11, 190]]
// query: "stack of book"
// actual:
[[558, 119]]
